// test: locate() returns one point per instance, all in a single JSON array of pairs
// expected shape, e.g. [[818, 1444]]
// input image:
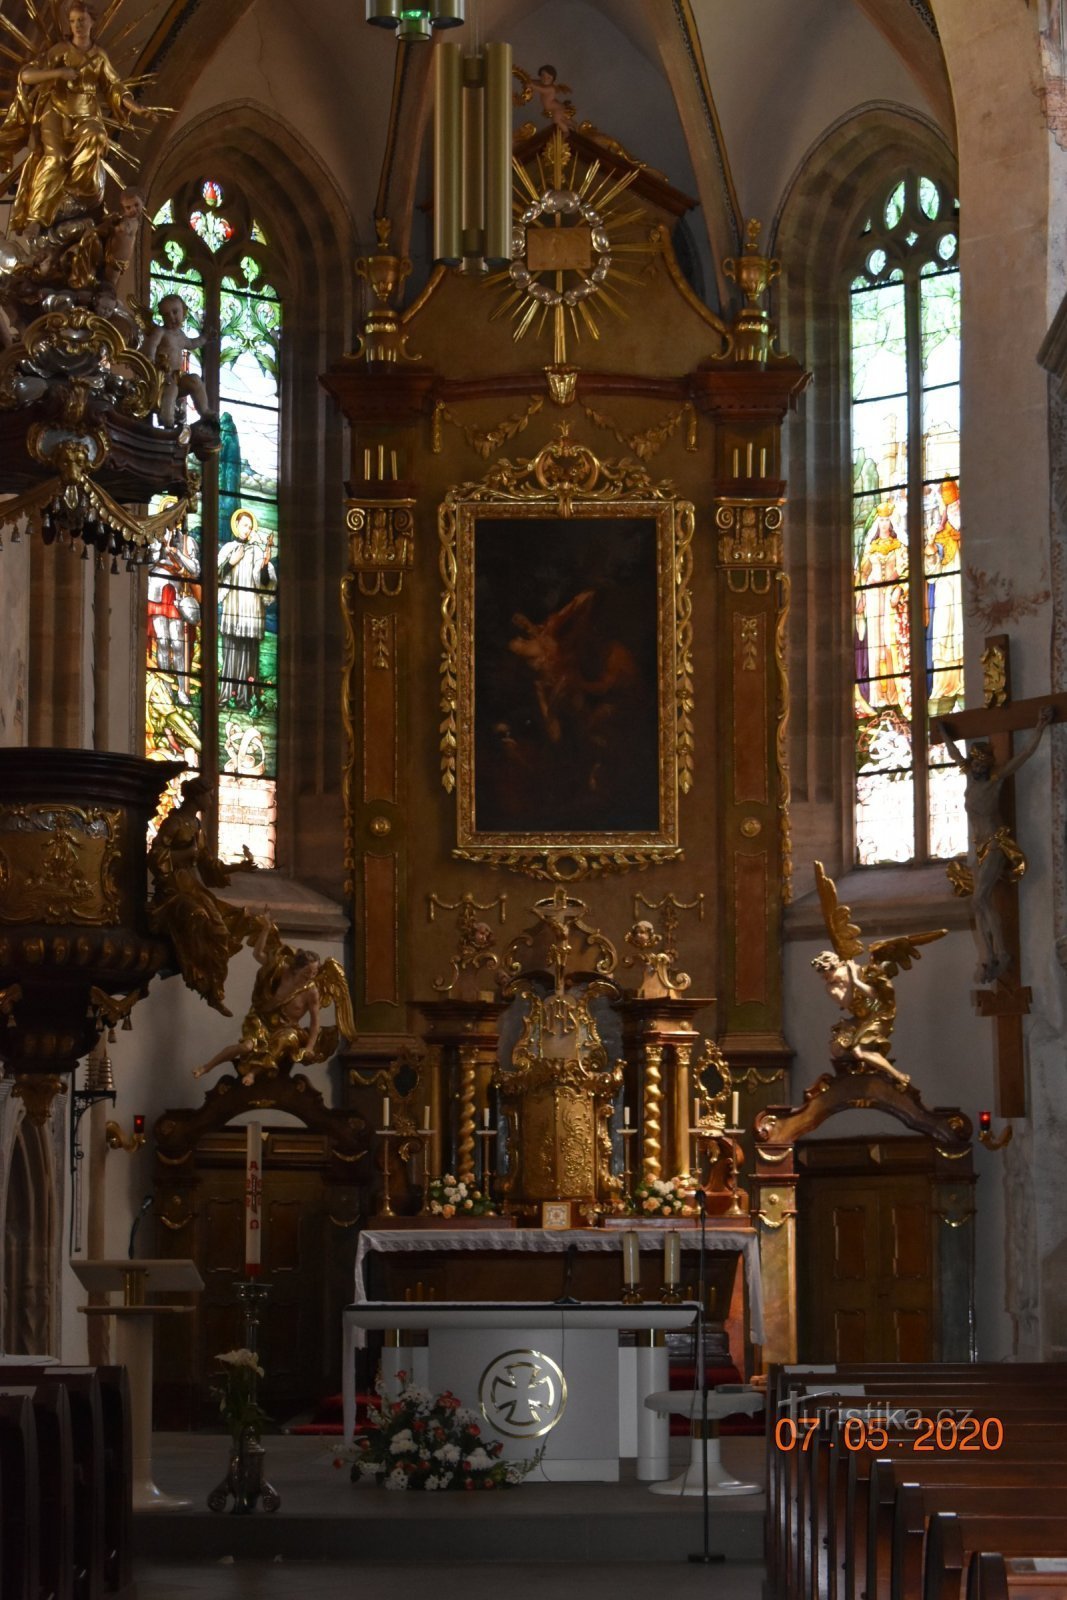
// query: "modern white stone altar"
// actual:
[[541, 1375]]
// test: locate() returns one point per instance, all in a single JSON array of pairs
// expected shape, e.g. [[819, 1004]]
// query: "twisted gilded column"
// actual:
[[468, 1062], [652, 1114]]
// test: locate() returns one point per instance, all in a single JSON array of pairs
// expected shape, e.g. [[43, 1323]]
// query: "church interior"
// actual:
[[533, 843]]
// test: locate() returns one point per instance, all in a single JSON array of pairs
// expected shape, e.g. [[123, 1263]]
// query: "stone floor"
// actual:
[[562, 1541]]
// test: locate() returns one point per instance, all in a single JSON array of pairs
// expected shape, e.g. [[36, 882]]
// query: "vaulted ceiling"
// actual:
[[725, 96]]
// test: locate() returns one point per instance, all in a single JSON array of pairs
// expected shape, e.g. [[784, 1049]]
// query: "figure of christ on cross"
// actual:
[[994, 853], [995, 860]]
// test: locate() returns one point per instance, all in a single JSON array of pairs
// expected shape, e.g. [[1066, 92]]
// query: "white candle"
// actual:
[[626, 1116], [672, 1258], [485, 1117], [253, 1201], [630, 1258], [425, 1119], [735, 1109], [385, 1112]]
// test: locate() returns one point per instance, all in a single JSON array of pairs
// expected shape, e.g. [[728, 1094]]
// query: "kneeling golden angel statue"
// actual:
[[282, 1027], [863, 988]]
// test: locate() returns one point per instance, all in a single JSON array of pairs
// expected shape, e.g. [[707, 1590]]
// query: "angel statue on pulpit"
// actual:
[[861, 982], [282, 1027]]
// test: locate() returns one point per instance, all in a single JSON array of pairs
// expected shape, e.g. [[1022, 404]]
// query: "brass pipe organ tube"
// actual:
[[473, 117], [498, 115], [447, 145]]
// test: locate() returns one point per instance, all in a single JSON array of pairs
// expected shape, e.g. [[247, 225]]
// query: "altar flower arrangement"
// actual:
[[451, 1197], [423, 1441], [236, 1393], [662, 1197]]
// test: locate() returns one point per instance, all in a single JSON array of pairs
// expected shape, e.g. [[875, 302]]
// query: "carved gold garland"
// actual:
[[484, 440], [567, 480], [649, 443]]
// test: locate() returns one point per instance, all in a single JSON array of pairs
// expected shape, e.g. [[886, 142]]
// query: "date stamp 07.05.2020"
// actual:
[[942, 1432]]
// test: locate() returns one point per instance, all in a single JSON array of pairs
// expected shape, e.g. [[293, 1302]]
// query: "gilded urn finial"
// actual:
[[381, 340], [753, 273]]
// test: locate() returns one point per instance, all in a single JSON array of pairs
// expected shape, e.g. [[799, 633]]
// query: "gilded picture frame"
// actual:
[[566, 667]]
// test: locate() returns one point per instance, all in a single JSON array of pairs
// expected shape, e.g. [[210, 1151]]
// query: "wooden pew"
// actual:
[[55, 1489], [952, 1538], [19, 1509], [917, 1505], [812, 1503], [848, 1529], [100, 1412], [804, 1536], [993, 1577], [1046, 1463]]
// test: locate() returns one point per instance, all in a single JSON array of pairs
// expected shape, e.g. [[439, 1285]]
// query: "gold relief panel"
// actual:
[[381, 543], [750, 533], [567, 731], [57, 864]]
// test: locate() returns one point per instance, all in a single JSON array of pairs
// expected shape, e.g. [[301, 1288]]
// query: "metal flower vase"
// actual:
[[244, 1479]]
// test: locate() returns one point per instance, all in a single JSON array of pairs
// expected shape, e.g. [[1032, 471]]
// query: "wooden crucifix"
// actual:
[[995, 861]]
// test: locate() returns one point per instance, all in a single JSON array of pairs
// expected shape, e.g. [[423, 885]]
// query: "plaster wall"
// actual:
[[1013, 272], [173, 1032]]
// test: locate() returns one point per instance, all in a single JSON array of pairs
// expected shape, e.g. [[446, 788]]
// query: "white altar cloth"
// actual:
[[544, 1240], [516, 1351]]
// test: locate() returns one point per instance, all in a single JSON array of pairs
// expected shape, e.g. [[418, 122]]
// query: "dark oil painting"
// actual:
[[566, 723]]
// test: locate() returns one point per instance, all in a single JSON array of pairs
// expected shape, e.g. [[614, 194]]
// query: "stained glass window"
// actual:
[[906, 530], [222, 717]]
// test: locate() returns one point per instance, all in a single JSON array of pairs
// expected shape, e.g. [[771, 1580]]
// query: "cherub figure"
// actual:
[[204, 930], [655, 958], [863, 988], [994, 854], [105, 251], [549, 91], [282, 1026], [166, 345]]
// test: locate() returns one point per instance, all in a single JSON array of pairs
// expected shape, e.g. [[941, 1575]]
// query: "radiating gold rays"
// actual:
[[559, 189]]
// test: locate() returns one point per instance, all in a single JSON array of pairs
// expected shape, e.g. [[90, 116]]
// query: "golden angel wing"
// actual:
[[844, 934], [894, 954], [333, 987]]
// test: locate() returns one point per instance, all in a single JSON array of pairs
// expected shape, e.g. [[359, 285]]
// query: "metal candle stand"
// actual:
[[244, 1478], [387, 1204]]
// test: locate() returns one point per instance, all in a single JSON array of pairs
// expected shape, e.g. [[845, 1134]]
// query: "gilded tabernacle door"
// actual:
[[567, 677]]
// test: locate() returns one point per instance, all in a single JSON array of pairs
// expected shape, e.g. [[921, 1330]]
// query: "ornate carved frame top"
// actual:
[[567, 482]]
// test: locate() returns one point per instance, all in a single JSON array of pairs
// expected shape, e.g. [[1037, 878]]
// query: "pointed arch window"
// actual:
[[213, 591], [904, 328]]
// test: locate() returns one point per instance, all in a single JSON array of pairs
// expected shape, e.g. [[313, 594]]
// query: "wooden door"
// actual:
[[866, 1269]]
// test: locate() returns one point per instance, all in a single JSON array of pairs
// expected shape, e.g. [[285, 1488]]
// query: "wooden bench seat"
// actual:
[[994, 1577], [952, 1538], [819, 1495]]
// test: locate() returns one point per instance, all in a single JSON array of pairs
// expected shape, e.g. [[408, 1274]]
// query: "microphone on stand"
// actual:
[[565, 1297], [146, 1205], [705, 1556]]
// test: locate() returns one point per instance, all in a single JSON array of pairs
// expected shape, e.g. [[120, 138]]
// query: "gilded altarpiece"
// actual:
[[501, 461]]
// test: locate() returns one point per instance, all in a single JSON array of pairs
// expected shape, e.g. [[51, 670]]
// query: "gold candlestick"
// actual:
[[425, 1135], [485, 1135], [628, 1133], [734, 1209], [387, 1208]]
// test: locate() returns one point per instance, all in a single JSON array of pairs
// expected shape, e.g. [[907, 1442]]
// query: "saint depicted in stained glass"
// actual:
[[908, 642]]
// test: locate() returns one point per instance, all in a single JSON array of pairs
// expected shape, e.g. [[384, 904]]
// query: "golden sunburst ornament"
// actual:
[[569, 231]]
